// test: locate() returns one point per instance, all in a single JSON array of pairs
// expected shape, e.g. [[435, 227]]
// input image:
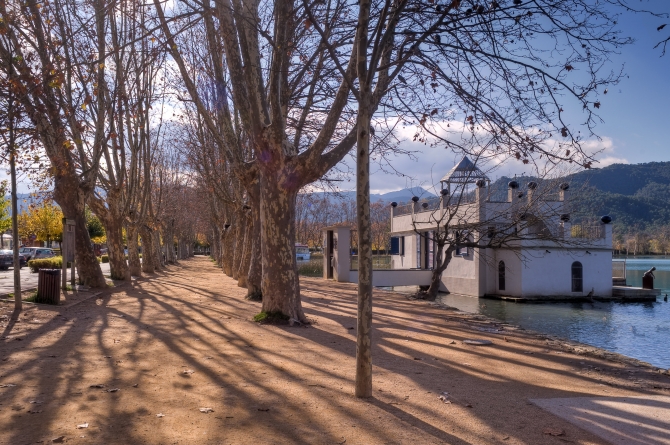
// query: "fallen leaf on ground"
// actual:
[[33, 411], [160, 415], [135, 385], [7, 385], [82, 425], [59, 439], [206, 410], [444, 399], [264, 409], [188, 372], [99, 385], [554, 432], [113, 390]]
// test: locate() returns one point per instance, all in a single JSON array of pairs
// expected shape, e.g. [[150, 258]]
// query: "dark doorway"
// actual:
[[501, 275], [329, 254], [577, 277]]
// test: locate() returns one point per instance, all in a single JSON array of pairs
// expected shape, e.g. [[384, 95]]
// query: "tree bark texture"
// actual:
[[255, 275], [134, 264], [228, 245], [158, 251], [364, 321], [245, 260], [443, 258], [148, 260], [238, 249], [280, 286], [117, 258], [69, 197], [363, 387]]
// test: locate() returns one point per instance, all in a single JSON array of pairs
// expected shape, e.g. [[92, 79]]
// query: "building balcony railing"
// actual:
[[587, 231]]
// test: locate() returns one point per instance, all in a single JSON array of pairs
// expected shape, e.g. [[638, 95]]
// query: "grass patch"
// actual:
[[271, 318], [31, 298]]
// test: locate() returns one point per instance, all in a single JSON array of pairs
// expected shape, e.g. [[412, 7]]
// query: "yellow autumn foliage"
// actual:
[[44, 221]]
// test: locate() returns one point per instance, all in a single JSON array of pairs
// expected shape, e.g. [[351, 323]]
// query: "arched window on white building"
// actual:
[[577, 277]]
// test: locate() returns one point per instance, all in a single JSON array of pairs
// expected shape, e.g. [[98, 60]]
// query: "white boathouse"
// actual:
[[550, 257]]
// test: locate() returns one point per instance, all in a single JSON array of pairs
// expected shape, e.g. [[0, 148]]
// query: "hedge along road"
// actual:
[[28, 279]]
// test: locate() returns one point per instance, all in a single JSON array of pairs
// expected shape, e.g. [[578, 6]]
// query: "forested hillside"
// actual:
[[636, 196]]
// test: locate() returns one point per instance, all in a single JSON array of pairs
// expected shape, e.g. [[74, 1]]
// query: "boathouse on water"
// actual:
[[548, 257]]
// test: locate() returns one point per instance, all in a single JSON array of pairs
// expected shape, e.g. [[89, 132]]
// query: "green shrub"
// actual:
[[46, 263], [104, 259]]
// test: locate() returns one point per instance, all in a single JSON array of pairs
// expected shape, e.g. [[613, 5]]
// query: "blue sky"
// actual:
[[636, 113]]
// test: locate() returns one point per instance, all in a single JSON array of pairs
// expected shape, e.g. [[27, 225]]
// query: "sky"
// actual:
[[636, 116]]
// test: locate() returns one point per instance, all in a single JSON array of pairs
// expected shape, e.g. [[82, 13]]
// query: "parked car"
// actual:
[[36, 253], [7, 259]]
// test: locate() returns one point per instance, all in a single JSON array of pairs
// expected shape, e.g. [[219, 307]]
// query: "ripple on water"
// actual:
[[638, 330]]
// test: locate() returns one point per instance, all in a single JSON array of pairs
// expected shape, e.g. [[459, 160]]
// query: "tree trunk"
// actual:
[[227, 245], [67, 194], [280, 286], [148, 262], [134, 264], [363, 386], [255, 275], [239, 244], [364, 321], [159, 263], [436, 275], [245, 260], [87, 263], [117, 259]]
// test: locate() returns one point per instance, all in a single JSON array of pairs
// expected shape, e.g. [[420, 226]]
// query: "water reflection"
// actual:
[[640, 330]]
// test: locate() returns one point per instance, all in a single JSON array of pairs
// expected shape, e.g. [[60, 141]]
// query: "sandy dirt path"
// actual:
[[184, 340]]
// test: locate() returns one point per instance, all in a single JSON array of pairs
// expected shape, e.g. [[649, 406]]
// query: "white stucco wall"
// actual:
[[550, 274], [513, 273], [408, 260]]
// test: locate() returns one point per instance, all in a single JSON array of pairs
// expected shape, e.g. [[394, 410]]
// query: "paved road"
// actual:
[[28, 279]]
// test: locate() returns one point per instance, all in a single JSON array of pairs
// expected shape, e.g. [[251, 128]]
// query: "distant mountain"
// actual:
[[403, 195]]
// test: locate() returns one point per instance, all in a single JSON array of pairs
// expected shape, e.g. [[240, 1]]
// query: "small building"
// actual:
[[548, 256]]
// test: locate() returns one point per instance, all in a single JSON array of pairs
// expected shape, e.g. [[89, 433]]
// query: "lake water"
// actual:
[[639, 330]]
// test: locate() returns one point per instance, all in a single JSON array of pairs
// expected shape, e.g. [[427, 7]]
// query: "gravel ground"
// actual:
[[138, 364]]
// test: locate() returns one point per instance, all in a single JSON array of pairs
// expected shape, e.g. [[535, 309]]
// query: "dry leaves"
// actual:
[[206, 410]]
